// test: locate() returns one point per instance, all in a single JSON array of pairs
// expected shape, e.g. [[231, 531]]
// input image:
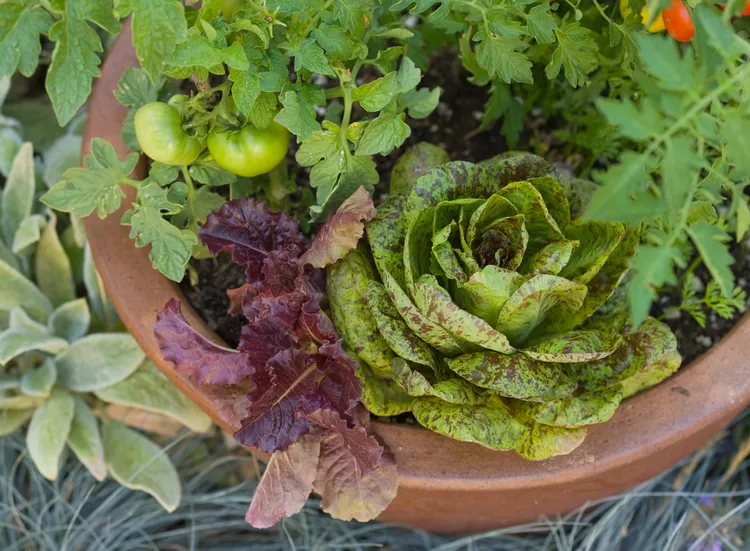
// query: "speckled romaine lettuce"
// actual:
[[477, 306]]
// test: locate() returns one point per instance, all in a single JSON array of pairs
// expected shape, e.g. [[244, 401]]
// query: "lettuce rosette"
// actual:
[[482, 305]]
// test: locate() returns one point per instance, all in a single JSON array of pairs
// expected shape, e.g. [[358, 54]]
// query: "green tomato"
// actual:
[[249, 151], [158, 127]]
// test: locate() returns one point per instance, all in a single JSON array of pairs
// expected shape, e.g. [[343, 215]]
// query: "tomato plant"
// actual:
[[158, 127], [678, 22], [249, 151]]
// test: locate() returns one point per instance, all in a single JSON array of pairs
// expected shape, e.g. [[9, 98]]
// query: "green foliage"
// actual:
[[97, 188], [686, 133], [251, 45], [67, 370], [488, 314], [713, 299], [666, 122]]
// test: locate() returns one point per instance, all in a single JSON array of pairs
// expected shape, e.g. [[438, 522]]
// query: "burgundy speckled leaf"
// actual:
[[194, 355], [545, 441], [250, 232], [343, 230], [286, 483]]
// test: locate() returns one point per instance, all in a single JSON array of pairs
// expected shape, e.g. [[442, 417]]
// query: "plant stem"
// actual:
[[190, 199], [277, 193], [346, 118], [346, 89]]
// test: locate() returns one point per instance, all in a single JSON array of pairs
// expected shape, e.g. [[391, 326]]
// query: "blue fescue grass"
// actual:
[[703, 504]]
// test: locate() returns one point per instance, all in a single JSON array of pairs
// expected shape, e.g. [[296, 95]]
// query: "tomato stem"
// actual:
[[346, 89], [277, 189], [190, 198]]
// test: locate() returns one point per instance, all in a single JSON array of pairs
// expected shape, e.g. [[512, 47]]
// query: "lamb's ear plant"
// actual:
[[69, 376], [483, 305]]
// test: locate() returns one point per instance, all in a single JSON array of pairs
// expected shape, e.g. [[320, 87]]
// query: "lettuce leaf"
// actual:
[[342, 231], [291, 386]]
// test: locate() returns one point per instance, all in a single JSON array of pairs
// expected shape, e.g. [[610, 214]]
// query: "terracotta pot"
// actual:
[[444, 485]]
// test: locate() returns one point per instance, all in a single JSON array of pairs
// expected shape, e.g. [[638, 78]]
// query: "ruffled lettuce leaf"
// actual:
[[342, 231], [194, 355], [251, 233], [290, 380], [350, 484], [286, 483]]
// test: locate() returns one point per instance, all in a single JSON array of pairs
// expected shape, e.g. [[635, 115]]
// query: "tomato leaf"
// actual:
[[384, 134], [97, 187], [171, 247], [298, 114], [576, 53], [21, 24], [158, 26], [711, 242], [75, 60]]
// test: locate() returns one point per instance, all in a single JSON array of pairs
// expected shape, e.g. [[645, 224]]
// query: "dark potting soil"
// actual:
[[453, 126], [692, 339]]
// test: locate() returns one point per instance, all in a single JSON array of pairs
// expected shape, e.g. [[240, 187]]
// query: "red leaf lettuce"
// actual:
[[299, 395]]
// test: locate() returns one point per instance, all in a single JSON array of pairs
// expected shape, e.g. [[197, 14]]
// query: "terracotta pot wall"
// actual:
[[444, 485]]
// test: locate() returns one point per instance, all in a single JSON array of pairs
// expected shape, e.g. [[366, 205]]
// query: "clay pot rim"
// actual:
[[425, 459]]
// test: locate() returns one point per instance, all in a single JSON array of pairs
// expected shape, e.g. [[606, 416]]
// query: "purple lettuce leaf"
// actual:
[[290, 388], [364, 449], [280, 272], [348, 491], [313, 326], [251, 232], [340, 390], [272, 422], [343, 230], [239, 296], [286, 483], [271, 327], [195, 356]]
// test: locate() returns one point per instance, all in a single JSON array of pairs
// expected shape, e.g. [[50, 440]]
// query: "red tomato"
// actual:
[[678, 22]]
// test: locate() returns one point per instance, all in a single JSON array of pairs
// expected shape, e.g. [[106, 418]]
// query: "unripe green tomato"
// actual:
[[158, 127], [179, 102], [249, 151]]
